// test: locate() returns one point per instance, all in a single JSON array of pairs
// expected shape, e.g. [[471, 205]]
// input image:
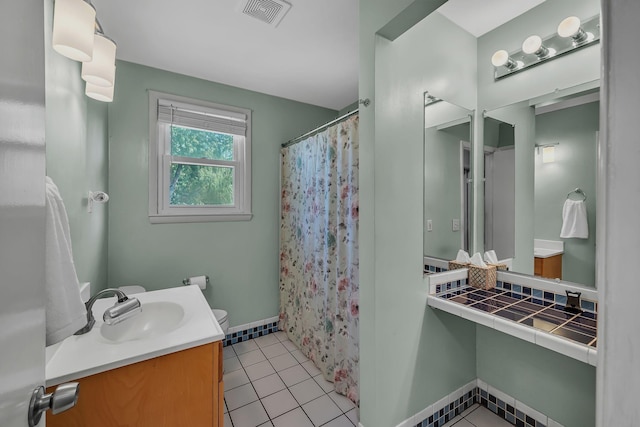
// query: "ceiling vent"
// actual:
[[269, 11]]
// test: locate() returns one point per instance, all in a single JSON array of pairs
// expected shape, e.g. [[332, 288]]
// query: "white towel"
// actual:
[[574, 220], [65, 311]]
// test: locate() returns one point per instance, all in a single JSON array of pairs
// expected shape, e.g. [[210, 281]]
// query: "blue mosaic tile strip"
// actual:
[[586, 305], [451, 285], [433, 269], [250, 333], [502, 409]]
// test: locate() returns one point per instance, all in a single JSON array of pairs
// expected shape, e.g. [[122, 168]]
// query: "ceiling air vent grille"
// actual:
[[269, 11]]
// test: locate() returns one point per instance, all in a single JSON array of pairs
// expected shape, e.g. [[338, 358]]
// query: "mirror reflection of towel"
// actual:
[[574, 220]]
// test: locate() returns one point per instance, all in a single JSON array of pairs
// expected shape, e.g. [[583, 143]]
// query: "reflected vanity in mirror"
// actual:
[[447, 174]]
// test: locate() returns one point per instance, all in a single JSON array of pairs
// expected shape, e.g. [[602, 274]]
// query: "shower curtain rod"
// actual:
[[318, 129]]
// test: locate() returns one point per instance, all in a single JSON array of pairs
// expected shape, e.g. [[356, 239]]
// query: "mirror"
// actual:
[[447, 171], [563, 152]]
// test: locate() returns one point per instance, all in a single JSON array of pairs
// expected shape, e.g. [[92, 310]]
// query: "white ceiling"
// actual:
[[312, 56], [481, 16]]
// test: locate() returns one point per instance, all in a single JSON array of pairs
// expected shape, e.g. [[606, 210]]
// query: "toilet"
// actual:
[[221, 315]]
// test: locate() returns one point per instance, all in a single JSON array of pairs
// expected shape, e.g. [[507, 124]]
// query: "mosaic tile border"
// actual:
[[250, 332], [501, 404]]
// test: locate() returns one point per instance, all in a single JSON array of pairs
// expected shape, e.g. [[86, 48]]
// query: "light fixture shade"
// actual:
[[500, 58], [569, 27], [548, 154], [73, 29], [532, 44], [101, 70], [99, 93]]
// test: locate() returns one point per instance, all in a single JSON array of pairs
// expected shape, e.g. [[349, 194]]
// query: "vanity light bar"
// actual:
[[572, 35]]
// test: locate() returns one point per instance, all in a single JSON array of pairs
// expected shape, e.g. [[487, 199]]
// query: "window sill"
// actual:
[[180, 219]]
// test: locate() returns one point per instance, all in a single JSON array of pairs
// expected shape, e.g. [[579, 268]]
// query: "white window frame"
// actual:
[[160, 160]]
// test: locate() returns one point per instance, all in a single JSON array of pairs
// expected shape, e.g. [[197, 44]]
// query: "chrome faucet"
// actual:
[[123, 309]]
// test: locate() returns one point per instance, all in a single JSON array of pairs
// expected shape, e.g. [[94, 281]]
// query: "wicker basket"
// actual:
[[482, 277], [456, 265], [502, 267]]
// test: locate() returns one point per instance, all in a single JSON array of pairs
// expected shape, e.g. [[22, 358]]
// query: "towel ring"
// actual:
[[578, 191]]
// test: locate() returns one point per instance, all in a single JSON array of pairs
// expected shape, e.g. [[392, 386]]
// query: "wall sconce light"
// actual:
[[572, 34], [533, 45], [570, 27], [548, 152], [501, 58], [73, 28], [78, 35], [101, 70]]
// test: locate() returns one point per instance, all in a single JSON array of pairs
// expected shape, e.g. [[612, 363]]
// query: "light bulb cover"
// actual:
[[500, 58], [101, 70], [99, 93], [548, 154], [569, 27], [73, 29], [532, 44]]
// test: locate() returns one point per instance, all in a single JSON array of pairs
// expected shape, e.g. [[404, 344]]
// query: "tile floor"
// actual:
[[268, 382], [478, 416]]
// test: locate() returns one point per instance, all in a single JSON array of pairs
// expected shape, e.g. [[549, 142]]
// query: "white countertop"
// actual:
[[547, 248], [89, 354], [546, 253]]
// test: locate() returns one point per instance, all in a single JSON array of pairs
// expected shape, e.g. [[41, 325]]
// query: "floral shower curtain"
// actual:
[[319, 252]]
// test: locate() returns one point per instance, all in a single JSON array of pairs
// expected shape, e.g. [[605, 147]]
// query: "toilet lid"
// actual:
[[220, 315]]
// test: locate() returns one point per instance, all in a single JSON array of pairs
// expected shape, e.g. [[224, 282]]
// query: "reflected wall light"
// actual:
[[99, 93], [571, 27], [548, 152], [73, 29], [572, 34]]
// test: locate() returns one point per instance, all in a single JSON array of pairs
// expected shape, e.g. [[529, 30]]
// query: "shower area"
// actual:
[[319, 309]]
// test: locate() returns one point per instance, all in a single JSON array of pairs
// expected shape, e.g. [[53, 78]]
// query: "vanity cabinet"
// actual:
[[184, 388], [549, 267]]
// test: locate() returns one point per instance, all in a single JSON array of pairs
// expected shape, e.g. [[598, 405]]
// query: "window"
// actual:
[[199, 161]]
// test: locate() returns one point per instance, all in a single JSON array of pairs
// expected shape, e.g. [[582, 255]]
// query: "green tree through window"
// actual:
[[198, 185]]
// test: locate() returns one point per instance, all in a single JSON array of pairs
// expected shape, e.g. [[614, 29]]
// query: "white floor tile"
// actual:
[[482, 417], [225, 407], [240, 396], [297, 354], [310, 367], [306, 391], [227, 420], [251, 415], [294, 375], [295, 418], [244, 347], [259, 370], [464, 423], [279, 403], [266, 340], [235, 379], [353, 416], [281, 335], [290, 345], [274, 350], [324, 384], [343, 403], [251, 358], [341, 421], [282, 362], [267, 424], [228, 352], [268, 385], [470, 409], [321, 410], [231, 364]]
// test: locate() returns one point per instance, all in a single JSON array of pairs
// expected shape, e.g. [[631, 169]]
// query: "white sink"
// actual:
[[156, 318]]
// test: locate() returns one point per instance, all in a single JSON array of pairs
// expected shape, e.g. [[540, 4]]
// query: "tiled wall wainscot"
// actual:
[[246, 332]]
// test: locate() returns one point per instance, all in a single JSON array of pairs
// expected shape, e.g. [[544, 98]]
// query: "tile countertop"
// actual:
[[89, 354]]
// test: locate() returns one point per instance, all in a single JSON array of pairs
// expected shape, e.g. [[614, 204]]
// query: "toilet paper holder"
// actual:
[[187, 281]]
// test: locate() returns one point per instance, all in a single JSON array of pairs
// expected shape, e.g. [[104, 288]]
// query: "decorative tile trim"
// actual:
[[478, 391], [434, 265], [248, 331], [540, 294], [447, 280]]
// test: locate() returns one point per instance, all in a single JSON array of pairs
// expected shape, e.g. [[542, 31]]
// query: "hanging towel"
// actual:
[[574, 220], [65, 311]]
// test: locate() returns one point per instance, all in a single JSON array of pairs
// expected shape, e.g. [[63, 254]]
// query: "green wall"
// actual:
[[575, 166], [241, 258], [77, 157]]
